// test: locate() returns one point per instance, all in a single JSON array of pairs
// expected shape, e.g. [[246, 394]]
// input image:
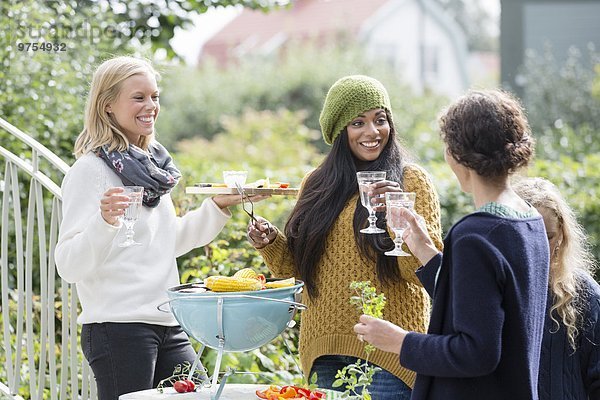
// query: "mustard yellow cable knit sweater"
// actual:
[[326, 326]]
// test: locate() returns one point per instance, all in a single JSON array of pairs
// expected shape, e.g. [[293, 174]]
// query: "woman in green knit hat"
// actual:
[[321, 243]]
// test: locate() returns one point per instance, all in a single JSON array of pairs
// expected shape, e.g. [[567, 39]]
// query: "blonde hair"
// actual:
[[99, 127], [570, 258]]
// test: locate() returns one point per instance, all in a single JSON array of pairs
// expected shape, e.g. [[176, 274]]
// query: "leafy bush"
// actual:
[[274, 145], [563, 102], [195, 100], [578, 181]]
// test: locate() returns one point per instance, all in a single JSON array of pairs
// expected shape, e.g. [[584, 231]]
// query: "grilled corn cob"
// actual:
[[231, 284], [281, 283], [245, 273]]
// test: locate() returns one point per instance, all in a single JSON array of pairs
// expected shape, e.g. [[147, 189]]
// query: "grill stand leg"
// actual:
[[214, 392], [291, 324], [198, 365]]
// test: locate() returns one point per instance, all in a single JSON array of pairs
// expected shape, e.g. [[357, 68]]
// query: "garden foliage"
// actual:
[[563, 102], [198, 99], [261, 115]]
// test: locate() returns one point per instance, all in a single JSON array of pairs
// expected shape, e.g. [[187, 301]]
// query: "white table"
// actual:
[[231, 391]]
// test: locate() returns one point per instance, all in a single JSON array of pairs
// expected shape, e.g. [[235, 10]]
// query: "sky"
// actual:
[[187, 43]]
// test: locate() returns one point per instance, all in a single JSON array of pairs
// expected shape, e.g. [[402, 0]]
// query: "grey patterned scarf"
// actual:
[[154, 170]]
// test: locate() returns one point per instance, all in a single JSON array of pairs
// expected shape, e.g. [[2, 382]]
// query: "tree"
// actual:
[[43, 90], [49, 50], [158, 20]]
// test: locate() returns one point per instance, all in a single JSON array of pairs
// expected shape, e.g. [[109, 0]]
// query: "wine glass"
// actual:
[[132, 213], [365, 180], [394, 201]]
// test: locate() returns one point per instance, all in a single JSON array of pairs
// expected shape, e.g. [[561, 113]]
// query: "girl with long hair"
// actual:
[[570, 359], [321, 243]]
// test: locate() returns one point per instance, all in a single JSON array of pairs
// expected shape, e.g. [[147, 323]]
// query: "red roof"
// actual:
[[303, 20]]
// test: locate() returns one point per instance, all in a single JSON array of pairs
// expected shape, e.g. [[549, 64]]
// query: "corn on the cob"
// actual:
[[231, 284], [281, 283], [245, 273]]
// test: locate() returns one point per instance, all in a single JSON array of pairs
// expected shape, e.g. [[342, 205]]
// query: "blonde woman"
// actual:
[[570, 359], [128, 343]]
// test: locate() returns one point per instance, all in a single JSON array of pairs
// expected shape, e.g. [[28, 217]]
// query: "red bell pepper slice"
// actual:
[[303, 392]]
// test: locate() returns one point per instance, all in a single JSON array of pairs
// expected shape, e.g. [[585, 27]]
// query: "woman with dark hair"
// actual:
[[489, 285], [322, 244]]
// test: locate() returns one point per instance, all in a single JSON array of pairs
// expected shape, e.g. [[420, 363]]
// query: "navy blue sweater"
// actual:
[[568, 375], [489, 302]]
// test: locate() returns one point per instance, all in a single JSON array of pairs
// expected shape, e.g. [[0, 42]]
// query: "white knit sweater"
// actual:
[[118, 284]]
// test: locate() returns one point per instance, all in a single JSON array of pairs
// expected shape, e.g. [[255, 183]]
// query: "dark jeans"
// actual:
[[385, 386], [127, 357]]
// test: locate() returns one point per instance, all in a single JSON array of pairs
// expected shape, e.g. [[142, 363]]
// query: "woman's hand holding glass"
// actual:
[[113, 205], [366, 181], [132, 213], [416, 236], [394, 202], [122, 205], [379, 189]]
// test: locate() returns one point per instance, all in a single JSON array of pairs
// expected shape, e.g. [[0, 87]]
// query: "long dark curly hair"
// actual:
[[325, 194]]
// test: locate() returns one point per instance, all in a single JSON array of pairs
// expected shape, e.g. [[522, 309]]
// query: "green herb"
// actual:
[[368, 302], [356, 378], [313, 382]]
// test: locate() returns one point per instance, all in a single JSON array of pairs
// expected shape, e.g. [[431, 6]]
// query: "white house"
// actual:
[[425, 46]]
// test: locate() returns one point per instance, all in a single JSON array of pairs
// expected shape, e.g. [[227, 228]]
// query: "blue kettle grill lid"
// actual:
[[235, 321]]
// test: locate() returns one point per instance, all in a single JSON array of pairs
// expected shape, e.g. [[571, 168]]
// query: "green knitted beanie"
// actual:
[[346, 99]]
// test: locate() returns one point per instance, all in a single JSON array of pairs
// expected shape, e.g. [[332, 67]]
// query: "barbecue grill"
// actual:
[[232, 321]]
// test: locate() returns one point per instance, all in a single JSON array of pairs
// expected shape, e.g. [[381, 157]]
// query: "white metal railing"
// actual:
[[39, 351]]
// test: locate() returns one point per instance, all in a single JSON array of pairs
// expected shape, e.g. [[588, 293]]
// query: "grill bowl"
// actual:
[[250, 319]]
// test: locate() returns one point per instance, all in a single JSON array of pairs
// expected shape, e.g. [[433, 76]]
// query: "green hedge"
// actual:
[[578, 181]]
